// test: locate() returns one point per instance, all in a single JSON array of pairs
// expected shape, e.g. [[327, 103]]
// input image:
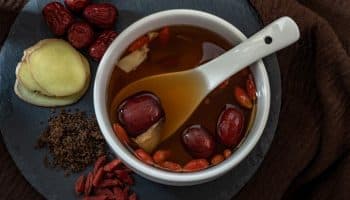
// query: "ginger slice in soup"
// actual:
[[131, 61], [26, 79], [152, 35], [58, 68], [150, 139]]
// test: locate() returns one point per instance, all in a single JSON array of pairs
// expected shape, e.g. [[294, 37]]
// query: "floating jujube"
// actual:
[[139, 112], [198, 141], [230, 126]]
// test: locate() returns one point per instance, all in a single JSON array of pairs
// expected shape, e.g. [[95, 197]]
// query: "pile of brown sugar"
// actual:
[[74, 141]]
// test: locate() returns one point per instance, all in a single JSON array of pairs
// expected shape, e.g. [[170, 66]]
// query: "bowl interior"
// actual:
[[156, 21]]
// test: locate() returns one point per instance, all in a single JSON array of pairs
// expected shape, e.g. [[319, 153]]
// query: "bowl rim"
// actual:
[[150, 172]]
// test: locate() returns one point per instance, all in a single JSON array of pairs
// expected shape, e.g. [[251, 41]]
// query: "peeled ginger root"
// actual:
[[52, 73], [57, 68]]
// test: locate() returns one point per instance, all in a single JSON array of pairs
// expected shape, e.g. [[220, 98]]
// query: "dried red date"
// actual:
[[80, 35], [57, 17], [76, 5], [102, 15], [198, 141], [230, 126], [99, 47], [139, 112]]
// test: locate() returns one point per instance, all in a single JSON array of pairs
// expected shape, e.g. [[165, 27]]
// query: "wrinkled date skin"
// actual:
[[80, 35], [76, 5], [57, 17], [102, 15], [230, 126], [198, 141], [139, 112], [99, 47]]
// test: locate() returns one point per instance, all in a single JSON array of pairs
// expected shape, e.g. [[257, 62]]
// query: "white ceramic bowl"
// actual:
[[107, 64]]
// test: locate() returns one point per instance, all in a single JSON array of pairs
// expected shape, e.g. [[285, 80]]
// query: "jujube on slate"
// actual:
[[80, 35], [57, 17]]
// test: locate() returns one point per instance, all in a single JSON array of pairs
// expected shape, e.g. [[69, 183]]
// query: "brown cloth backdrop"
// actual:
[[309, 157]]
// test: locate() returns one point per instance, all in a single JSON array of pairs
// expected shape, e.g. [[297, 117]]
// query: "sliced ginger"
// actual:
[[61, 75], [150, 139], [24, 76], [46, 101], [57, 68]]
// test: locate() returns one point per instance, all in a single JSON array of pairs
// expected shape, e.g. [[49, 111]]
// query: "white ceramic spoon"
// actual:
[[181, 92]]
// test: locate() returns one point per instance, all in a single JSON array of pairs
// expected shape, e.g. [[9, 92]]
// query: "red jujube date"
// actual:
[[230, 126], [76, 5], [102, 15], [139, 112], [57, 17], [101, 44], [80, 35], [198, 141]]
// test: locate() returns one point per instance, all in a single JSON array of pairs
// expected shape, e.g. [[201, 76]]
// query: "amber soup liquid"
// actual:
[[188, 48]]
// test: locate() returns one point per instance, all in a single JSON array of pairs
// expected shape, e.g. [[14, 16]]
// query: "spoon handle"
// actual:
[[275, 36]]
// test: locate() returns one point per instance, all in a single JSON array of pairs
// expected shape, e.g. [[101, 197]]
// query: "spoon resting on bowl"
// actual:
[[181, 92]]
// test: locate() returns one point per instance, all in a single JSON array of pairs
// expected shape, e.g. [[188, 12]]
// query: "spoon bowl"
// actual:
[[156, 21], [180, 102]]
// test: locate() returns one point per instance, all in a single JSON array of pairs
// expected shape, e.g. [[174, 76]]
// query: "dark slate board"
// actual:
[[20, 122]]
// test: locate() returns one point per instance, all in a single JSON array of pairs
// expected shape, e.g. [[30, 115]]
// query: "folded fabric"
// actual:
[[309, 157]]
